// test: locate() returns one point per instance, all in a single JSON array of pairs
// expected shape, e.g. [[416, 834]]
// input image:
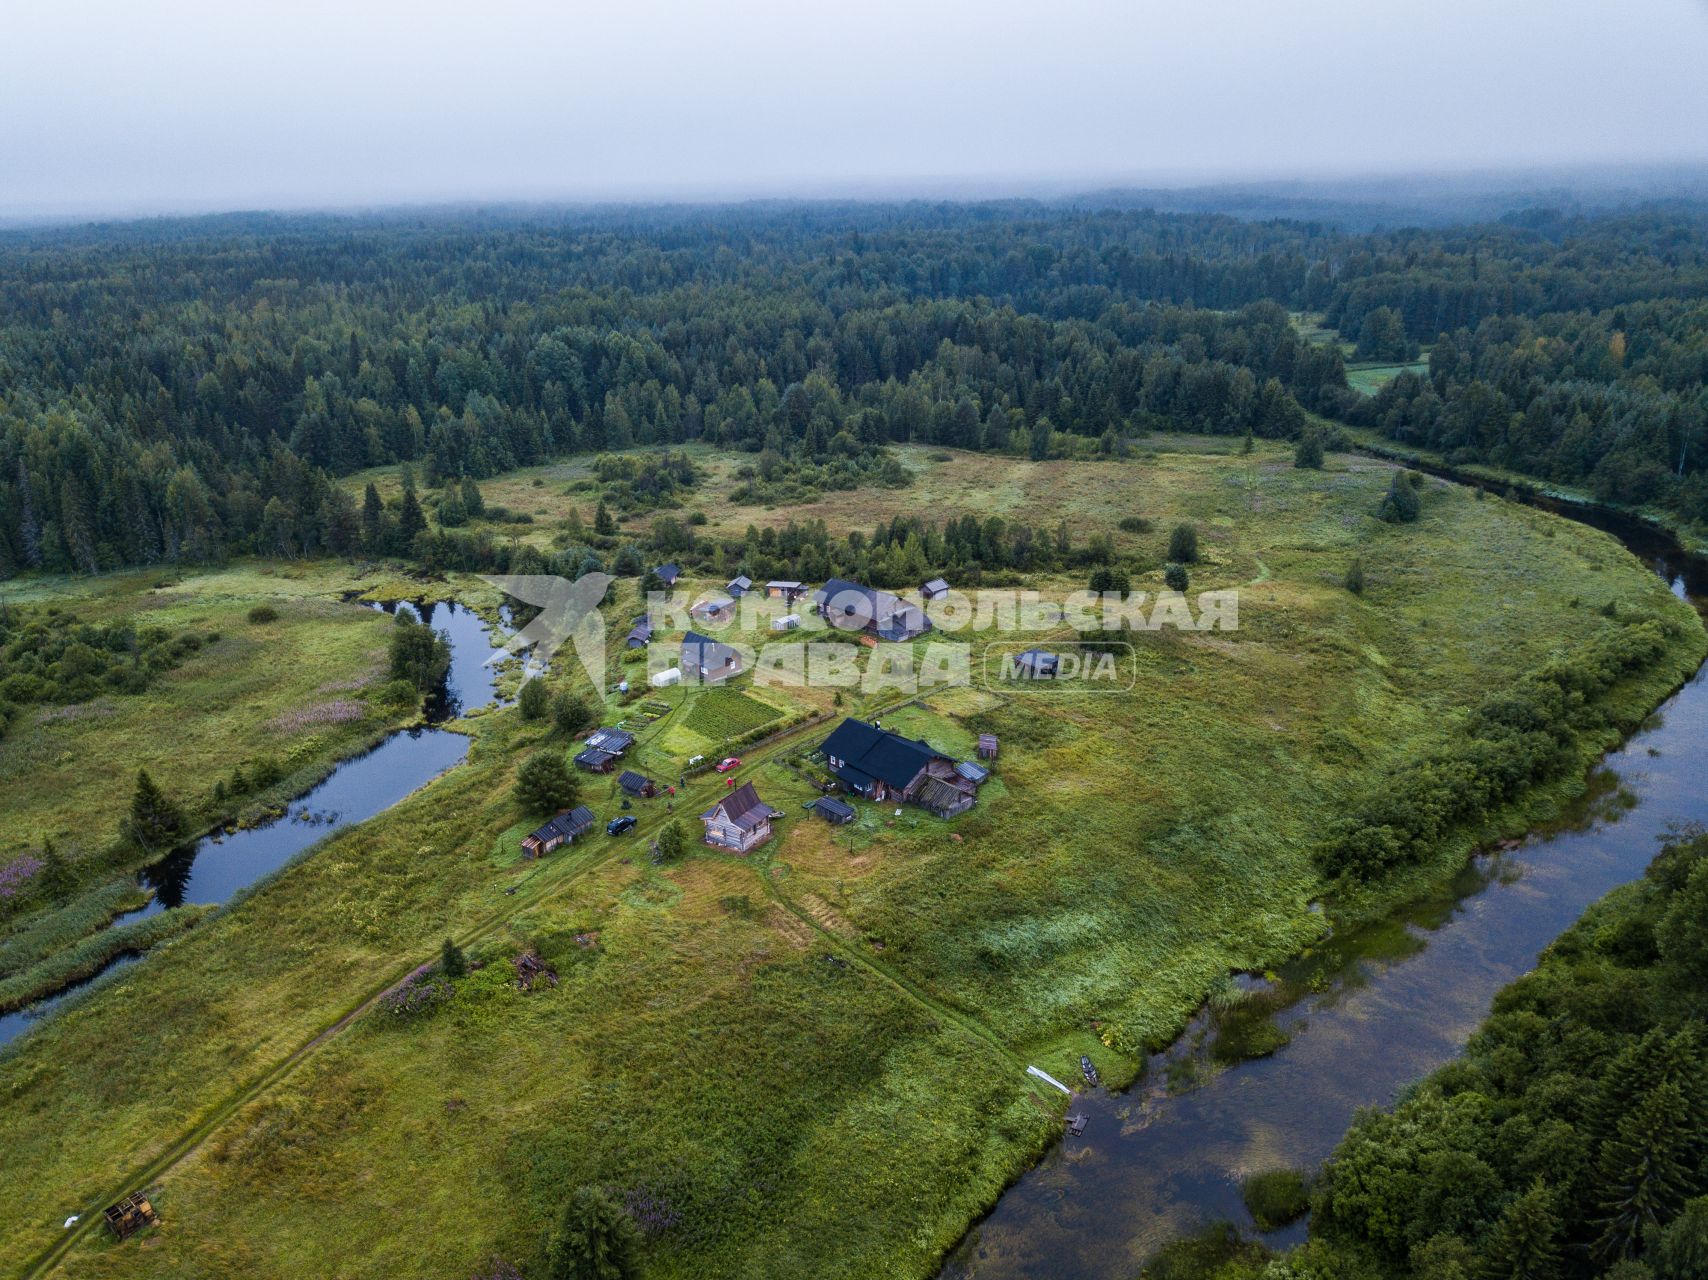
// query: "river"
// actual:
[[218, 865], [1374, 1010]]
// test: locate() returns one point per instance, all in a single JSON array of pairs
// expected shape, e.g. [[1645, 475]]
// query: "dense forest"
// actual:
[[184, 390], [1569, 1142]]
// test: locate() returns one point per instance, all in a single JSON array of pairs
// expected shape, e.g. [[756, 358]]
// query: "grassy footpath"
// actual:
[[809, 1061]]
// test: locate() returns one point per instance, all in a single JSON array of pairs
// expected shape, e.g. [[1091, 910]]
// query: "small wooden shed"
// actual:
[[987, 746]]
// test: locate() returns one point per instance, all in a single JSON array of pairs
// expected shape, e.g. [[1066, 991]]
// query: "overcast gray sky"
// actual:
[[128, 105]]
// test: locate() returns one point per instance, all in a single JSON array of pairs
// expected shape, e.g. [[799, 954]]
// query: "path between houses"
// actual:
[[549, 887]]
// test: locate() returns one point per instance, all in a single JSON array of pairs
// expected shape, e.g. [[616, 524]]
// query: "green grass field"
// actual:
[[1371, 378], [809, 1061]]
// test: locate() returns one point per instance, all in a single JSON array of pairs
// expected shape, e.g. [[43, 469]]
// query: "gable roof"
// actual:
[[936, 587], [613, 740], [704, 653], [641, 632], [567, 825], [741, 808], [849, 604], [629, 780], [668, 572], [594, 758], [711, 604], [741, 582], [865, 749]]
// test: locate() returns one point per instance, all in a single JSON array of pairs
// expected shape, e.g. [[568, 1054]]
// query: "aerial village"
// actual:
[[694, 697]]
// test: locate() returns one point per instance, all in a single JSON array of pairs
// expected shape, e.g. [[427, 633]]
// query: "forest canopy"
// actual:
[[184, 390]]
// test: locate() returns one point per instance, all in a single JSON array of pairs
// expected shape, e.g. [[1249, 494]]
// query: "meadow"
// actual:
[[810, 1060]]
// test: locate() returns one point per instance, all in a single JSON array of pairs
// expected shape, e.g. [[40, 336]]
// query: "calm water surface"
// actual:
[[215, 867]]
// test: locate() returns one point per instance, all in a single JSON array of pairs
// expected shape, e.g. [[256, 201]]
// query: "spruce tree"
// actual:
[[452, 962], [594, 1239], [1525, 1243], [1644, 1170], [155, 821], [373, 520], [411, 520]]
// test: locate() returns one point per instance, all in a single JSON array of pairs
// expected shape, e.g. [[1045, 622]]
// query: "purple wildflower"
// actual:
[[17, 873]]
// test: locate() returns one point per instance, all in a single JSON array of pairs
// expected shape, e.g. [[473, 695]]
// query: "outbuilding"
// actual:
[[834, 811]]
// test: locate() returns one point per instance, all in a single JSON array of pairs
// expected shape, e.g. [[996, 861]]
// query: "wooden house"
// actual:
[[667, 574], [712, 611], [708, 661], [636, 784], [883, 765], [740, 821], [881, 614], [739, 586], [788, 592], [987, 746], [604, 748], [640, 633], [936, 589], [595, 760], [130, 1215], [569, 825]]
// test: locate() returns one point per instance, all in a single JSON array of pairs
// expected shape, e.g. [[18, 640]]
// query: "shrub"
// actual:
[[1133, 524], [1183, 544], [1354, 580], [1175, 577], [1308, 454], [1275, 1197], [263, 613], [534, 701], [593, 1240], [570, 714], [452, 962]]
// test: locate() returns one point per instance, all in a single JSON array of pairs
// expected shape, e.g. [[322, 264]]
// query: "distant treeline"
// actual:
[[184, 390]]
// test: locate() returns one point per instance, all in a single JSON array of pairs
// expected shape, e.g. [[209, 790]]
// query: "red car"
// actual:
[[733, 762]]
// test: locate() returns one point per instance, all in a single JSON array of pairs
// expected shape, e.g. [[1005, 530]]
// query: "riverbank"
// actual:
[[1393, 992], [1691, 538], [59, 948]]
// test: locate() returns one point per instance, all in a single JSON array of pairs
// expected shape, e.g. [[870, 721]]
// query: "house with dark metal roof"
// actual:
[[1034, 664], [852, 607], [713, 610], [881, 764], [739, 585], [641, 633], [935, 588], [706, 660], [563, 829], [740, 821], [834, 811], [616, 741], [667, 574], [636, 784], [595, 760]]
